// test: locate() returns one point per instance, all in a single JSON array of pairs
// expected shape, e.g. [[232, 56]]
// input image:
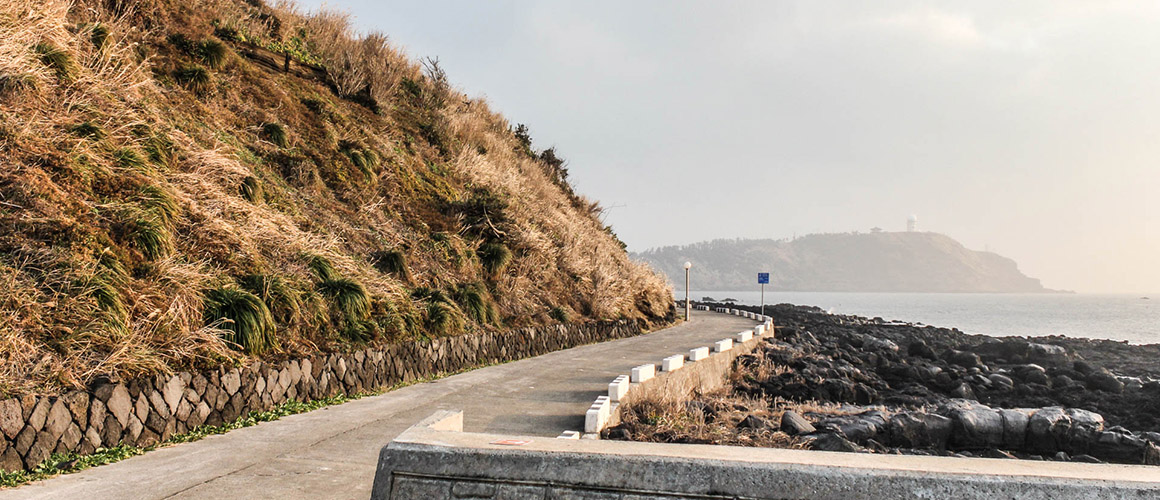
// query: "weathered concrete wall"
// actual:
[[433, 461], [148, 410]]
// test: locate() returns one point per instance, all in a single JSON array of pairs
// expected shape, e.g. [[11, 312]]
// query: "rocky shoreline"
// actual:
[[846, 383]]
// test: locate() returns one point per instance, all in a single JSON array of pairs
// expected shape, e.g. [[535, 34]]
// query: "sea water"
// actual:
[[1133, 318]]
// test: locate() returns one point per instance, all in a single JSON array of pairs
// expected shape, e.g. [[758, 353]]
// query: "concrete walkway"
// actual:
[[332, 452]]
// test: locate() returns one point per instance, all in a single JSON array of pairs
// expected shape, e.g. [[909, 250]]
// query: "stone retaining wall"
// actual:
[[149, 410]]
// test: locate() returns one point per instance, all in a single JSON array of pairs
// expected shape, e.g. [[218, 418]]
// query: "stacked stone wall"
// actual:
[[149, 410]]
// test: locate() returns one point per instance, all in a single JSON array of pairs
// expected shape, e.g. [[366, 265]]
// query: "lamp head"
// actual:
[[688, 265]]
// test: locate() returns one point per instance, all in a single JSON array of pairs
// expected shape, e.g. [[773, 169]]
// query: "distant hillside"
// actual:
[[875, 262]]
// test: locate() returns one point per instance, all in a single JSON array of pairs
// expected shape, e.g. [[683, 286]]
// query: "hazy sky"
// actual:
[[1028, 128]]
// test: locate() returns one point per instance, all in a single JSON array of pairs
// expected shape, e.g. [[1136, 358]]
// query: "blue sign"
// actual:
[[762, 278]]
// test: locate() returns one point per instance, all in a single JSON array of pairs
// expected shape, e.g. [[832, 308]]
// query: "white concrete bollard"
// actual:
[[722, 345], [593, 420], [673, 363], [569, 435], [643, 373], [618, 388], [597, 415], [743, 337], [698, 354], [759, 330]]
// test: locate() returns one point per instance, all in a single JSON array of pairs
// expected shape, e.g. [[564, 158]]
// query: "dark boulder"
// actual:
[[1104, 381], [920, 349], [919, 430], [1048, 429], [857, 428], [1083, 367], [1032, 374], [1047, 354], [793, 423], [976, 426], [965, 359], [1014, 427], [963, 391], [1062, 382], [864, 394], [832, 442], [1120, 445], [1085, 429], [754, 422], [1001, 381]]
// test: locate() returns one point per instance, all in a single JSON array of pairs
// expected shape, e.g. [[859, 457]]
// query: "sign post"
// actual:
[[763, 278]]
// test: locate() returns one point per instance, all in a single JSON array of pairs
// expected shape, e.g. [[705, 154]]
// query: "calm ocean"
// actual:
[[1117, 317]]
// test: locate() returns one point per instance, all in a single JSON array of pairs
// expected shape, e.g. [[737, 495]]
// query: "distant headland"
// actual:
[[847, 262]]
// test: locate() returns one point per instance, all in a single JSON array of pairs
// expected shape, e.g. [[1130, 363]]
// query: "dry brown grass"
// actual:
[[678, 421], [671, 421], [379, 155]]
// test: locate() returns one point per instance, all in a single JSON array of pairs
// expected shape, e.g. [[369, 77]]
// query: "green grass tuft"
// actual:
[[348, 296], [475, 300], [87, 130], [244, 315], [559, 314], [251, 189], [159, 147], [429, 294], [150, 236], [371, 158], [108, 298], [99, 35], [195, 78], [211, 52], [283, 301], [442, 319], [357, 158], [112, 269], [494, 257], [275, 133], [56, 59], [392, 262], [322, 268], [158, 200], [352, 302], [129, 158]]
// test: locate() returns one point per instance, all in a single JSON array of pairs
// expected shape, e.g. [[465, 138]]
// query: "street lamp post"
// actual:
[[688, 265]]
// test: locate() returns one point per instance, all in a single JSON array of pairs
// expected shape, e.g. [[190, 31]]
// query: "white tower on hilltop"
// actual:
[[911, 223]]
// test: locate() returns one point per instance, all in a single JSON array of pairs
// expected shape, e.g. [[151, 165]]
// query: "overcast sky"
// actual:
[[1028, 128]]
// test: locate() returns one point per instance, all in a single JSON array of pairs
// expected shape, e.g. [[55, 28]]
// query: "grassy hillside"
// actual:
[[185, 183], [874, 262]]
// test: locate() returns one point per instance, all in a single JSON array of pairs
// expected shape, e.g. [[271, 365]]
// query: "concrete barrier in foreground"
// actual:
[[435, 461]]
